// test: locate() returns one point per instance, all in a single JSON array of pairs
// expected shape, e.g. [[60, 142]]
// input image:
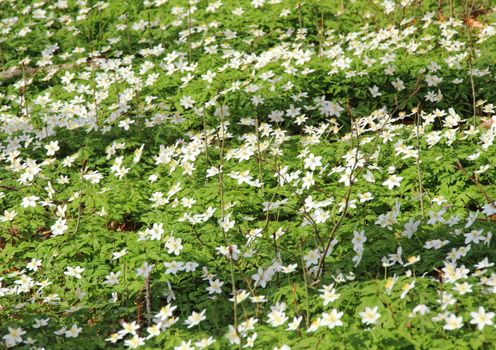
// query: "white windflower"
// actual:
[[215, 287], [329, 294], [226, 224], [14, 336], [195, 318], [153, 331], [453, 322], [112, 278], [370, 315], [481, 318], [8, 215], [277, 318], [174, 245], [73, 332], [204, 342], [332, 319], [74, 271], [52, 147], [134, 342], [392, 181], [59, 227], [29, 201], [293, 325]]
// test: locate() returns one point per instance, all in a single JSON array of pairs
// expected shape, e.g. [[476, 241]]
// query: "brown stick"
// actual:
[[15, 72]]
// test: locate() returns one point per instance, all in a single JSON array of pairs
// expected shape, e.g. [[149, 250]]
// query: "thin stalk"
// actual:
[[417, 159], [320, 268], [205, 135], [300, 17], [259, 160], [471, 57], [189, 32], [321, 31], [147, 300], [222, 205], [305, 280]]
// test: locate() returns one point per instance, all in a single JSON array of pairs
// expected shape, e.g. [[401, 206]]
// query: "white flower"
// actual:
[[174, 245], [463, 288], [314, 325], [165, 313], [144, 270], [406, 288], [410, 228], [277, 318], [14, 336], [112, 278], [312, 162], [390, 282], [359, 239], [8, 215], [232, 335], [134, 342], [293, 325], [225, 223], [484, 264], [289, 269], [489, 209], [258, 299], [129, 328], [29, 201], [215, 287], [398, 84], [240, 296], [392, 181], [330, 108], [59, 227], [312, 257], [222, 111], [33, 265], [60, 331], [370, 315], [155, 232], [421, 309], [126, 123], [308, 180], [204, 342], [187, 102], [190, 266], [52, 147], [412, 260], [332, 319], [453, 322], [250, 341], [173, 267], [329, 294], [153, 331], [374, 91], [73, 332], [257, 3], [364, 197], [433, 80], [195, 318], [118, 255], [74, 271], [40, 322], [481, 318], [209, 76]]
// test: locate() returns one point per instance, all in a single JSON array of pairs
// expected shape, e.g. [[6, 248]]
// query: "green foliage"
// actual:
[[327, 104]]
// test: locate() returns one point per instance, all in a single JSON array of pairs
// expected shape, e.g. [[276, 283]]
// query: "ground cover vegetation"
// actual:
[[266, 174]]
